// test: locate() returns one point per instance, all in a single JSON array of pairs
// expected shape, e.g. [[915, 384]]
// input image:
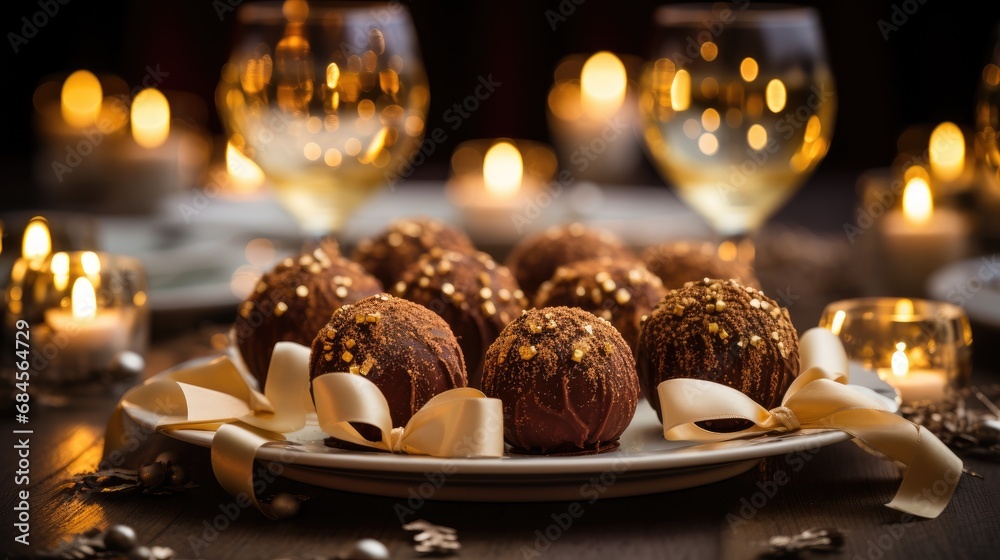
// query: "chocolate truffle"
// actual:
[[404, 348], [678, 262], [472, 293], [294, 300], [535, 259], [567, 381], [622, 292], [389, 254], [721, 331]]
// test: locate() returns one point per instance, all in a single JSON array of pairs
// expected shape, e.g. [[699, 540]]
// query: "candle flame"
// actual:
[[838, 321], [918, 205], [84, 300], [900, 363], [81, 99], [603, 83], [947, 151], [60, 270], [503, 169], [680, 91], [37, 242], [91, 263], [246, 175], [150, 118]]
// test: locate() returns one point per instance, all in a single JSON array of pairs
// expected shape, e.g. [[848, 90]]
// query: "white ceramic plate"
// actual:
[[644, 464]]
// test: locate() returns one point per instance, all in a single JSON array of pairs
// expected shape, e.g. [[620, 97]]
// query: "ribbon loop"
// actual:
[[819, 399], [214, 396]]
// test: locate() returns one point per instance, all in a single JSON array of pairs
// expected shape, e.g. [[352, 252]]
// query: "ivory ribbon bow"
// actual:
[[215, 396], [820, 399]]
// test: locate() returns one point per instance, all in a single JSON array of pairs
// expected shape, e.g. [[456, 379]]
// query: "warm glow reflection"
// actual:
[[37, 243], [748, 69], [904, 309], [150, 118], [918, 205], [60, 270], [709, 51], [900, 363], [603, 83], [680, 91], [838, 321], [757, 137], [81, 99], [947, 151], [710, 119], [245, 174], [727, 251], [503, 169], [91, 263], [84, 300], [775, 95], [708, 144]]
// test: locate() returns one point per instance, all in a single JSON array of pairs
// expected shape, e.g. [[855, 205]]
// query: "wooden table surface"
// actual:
[[840, 486]]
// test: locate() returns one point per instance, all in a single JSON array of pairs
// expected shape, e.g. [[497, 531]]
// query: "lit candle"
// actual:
[[914, 384], [920, 238], [81, 99], [498, 186], [591, 118], [37, 242], [245, 175], [150, 118], [87, 337]]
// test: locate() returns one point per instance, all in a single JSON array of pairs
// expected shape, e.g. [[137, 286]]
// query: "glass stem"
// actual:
[[738, 247]]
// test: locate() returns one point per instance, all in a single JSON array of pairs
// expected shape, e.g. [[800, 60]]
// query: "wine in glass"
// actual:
[[738, 109], [330, 100]]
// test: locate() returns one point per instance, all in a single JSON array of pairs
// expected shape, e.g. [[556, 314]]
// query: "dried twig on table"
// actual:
[[433, 539], [820, 540]]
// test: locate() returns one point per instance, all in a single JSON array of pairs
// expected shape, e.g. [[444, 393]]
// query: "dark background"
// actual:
[[926, 71]]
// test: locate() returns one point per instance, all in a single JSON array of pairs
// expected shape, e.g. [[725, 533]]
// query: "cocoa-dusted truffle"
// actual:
[[622, 292], [294, 300], [404, 348], [567, 381], [535, 259], [403, 242], [677, 262], [721, 331], [472, 293]]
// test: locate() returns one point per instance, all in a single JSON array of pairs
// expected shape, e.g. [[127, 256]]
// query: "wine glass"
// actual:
[[738, 108], [330, 100]]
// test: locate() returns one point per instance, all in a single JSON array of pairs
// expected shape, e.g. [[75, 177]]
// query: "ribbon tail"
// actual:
[[234, 451], [932, 470]]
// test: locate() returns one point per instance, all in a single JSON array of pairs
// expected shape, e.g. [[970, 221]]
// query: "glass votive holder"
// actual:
[[501, 186], [922, 348], [87, 318]]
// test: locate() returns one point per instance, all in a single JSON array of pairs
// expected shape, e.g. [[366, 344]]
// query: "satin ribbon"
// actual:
[[820, 399], [215, 396]]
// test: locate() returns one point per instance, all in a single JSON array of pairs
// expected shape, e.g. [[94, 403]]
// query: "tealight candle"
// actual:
[[919, 238], [85, 311], [500, 186], [922, 348], [591, 114]]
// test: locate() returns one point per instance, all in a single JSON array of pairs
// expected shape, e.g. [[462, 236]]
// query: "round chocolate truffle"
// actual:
[[535, 259], [294, 300], [389, 254], [678, 262], [404, 348], [721, 331], [622, 292], [567, 381], [472, 293]]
